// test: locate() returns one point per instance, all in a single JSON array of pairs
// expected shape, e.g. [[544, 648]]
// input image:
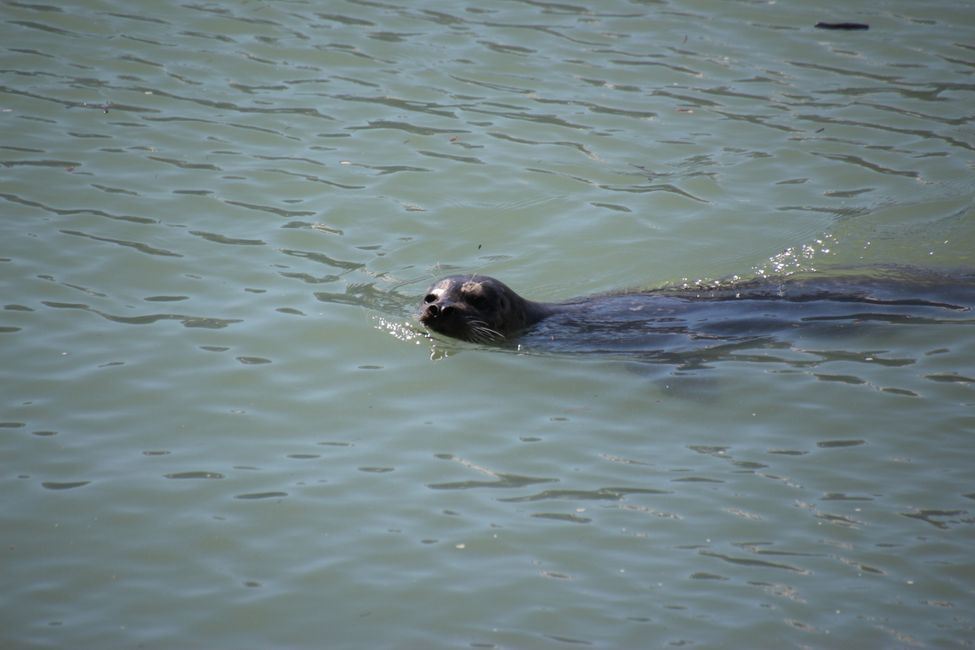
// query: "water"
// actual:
[[220, 428]]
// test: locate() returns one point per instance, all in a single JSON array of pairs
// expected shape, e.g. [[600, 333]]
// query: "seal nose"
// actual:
[[436, 307]]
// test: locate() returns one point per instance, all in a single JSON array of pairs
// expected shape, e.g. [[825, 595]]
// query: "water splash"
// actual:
[[803, 258]]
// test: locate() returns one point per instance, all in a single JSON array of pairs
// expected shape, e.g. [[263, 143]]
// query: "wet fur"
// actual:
[[481, 309]]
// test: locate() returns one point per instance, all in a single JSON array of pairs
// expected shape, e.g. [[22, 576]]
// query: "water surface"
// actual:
[[222, 428]]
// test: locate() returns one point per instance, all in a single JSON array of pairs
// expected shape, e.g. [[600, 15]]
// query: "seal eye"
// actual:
[[429, 298], [478, 301]]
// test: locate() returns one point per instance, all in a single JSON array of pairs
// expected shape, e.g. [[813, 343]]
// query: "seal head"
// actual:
[[478, 308]]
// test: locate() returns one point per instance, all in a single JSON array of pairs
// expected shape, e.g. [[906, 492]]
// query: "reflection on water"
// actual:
[[214, 214]]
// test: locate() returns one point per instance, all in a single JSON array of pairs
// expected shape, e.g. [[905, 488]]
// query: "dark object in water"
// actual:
[[848, 26], [670, 323]]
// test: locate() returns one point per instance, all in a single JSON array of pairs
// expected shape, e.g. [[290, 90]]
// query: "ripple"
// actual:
[[165, 298], [42, 27], [262, 495], [64, 485], [195, 475], [288, 214], [76, 211], [148, 319], [557, 516], [222, 239], [844, 379], [832, 444], [752, 562], [407, 127], [503, 481], [603, 494], [954, 378], [253, 361], [142, 248], [942, 519], [321, 258]]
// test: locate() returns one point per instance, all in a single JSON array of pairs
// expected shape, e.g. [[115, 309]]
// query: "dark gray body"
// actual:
[[683, 324]]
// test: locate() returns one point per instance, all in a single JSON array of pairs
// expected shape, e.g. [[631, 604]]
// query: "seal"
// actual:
[[774, 312], [479, 309]]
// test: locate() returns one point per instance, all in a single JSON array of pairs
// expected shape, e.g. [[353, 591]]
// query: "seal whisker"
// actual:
[[481, 333]]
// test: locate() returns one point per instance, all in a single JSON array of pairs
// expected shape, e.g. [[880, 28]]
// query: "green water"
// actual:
[[221, 428]]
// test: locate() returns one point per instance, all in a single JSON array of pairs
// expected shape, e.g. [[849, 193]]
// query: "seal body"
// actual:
[[674, 321]]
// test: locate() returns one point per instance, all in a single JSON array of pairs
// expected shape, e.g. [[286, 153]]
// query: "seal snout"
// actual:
[[436, 307]]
